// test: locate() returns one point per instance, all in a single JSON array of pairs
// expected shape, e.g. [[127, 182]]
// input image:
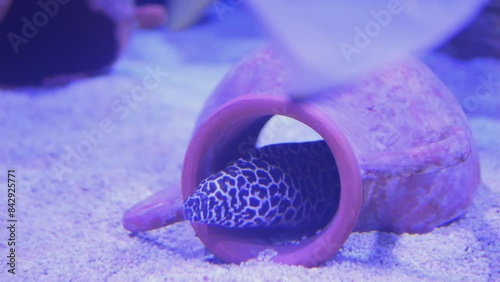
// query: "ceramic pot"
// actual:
[[404, 149]]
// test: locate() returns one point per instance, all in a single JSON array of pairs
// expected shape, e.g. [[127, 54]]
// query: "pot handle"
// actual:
[[160, 209], [454, 148]]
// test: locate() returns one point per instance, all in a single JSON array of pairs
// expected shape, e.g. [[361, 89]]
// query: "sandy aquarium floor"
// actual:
[[69, 224]]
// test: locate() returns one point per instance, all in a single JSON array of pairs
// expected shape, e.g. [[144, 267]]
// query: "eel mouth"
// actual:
[[190, 209]]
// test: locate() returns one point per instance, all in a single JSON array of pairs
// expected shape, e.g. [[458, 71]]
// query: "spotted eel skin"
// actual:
[[280, 185]]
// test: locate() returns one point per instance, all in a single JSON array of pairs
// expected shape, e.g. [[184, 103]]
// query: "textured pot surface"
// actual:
[[406, 158]]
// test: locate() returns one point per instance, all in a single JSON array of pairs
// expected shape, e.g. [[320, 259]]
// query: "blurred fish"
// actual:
[[184, 13], [329, 43]]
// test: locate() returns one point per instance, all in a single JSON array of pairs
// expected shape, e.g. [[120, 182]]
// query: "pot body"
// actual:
[[406, 158]]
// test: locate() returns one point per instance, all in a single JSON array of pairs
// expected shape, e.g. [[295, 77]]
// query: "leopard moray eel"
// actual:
[[282, 185]]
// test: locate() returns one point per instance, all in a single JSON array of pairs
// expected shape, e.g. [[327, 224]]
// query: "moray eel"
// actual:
[[281, 185]]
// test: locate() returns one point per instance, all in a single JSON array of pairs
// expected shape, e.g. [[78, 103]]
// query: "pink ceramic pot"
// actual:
[[404, 149]]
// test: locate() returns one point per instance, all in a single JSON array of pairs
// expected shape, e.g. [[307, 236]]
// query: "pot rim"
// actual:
[[247, 108]]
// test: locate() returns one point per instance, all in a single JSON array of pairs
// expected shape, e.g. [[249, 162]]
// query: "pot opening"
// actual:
[[240, 125], [314, 168]]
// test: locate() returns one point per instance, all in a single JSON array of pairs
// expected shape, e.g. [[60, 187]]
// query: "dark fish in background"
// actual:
[[45, 41]]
